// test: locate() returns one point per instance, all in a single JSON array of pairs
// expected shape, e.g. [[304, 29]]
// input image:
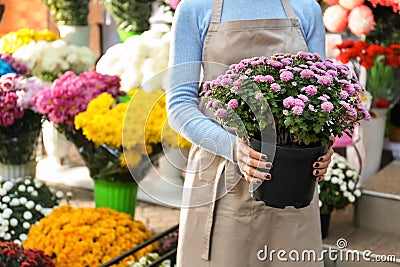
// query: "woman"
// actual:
[[220, 224]]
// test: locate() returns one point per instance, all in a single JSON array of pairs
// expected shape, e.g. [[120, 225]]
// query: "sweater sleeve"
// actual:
[[184, 115], [315, 30]]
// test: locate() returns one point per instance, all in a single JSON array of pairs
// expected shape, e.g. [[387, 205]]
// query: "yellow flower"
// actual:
[[88, 236], [14, 40]]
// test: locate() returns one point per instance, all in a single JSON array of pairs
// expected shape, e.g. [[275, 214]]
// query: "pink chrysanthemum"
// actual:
[[336, 18], [350, 4], [220, 113], [233, 103]]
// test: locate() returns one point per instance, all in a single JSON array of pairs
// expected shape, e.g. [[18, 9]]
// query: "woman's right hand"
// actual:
[[249, 160]]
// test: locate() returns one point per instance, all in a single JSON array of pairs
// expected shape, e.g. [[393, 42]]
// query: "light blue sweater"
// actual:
[[189, 30]]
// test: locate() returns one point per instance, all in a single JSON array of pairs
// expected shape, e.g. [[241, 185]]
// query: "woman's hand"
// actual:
[[321, 166], [249, 160]]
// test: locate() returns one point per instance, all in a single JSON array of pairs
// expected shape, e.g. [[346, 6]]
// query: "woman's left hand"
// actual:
[[321, 166]]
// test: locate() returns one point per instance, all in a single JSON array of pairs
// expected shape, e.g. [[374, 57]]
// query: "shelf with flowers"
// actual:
[[13, 255], [23, 202], [337, 190], [381, 67], [88, 236], [20, 123], [48, 59]]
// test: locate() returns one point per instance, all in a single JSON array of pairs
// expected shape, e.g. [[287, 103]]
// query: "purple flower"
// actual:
[[310, 90], [330, 65], [220, 113], [285, 112], [287, 61], [306, 73], [322, 98], [288, 102], [333, 73], [303, 98], [206, 85], [286, 76], [311, 107], [327, 106], [324, 80], [344, 94], [275, 87], [208, 93], [274, 63], [294, 83], [269, 78], [344, 104], [233, 103], [225, 82], [209, 104], [239, 67], [358, 88], [299, 103], [248, 71], [352, 112], [234, 90], [297, 110], [350, 89], [297, 69], [366, 114], [258, 96], [215, 103], [258, 78], [238, 82]]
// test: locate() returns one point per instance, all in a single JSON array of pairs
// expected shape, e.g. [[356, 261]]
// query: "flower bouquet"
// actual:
[[20, 124], [298, 101], [23, 202], [88, 236], [13, 255], [14, 40], [339, 187]]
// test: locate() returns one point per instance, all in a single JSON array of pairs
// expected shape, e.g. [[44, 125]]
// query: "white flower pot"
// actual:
[[75, 35], [11, 172], [371, 136], [56, 144]]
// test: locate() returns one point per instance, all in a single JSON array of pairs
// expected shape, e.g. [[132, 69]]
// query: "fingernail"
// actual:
[[268, 165], [267, 176], [258, 181], [320, 159], [316, 165], [316, 171], [264, 157]]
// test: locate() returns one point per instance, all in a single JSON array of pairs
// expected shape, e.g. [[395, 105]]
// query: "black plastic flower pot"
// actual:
[[325, 222], [293, 182]]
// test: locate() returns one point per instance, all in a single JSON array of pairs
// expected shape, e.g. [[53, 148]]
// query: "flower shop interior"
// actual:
[[69, 145]]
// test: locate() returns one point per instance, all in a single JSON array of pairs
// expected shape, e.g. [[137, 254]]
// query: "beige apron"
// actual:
[[224, 227]]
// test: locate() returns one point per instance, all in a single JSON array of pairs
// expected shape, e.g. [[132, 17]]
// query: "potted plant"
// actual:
[[71, 17], [13, 255], [296, 101], [131, 16], [337, 190]]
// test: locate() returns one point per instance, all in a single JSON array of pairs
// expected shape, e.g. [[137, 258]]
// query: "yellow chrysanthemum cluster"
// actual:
[[88, 236], [14, 40], [134, 125]]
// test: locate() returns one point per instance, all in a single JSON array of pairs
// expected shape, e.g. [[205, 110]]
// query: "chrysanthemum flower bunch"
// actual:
[[14, 65], [13, 255], [14, 40], [70, 95], [139, 61], [148, 259], [88, 236], [339, 187], [23, 202], [310, 99], [49, 60]]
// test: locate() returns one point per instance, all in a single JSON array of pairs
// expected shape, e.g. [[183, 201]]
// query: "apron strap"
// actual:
[[288, 9], [216, 12]]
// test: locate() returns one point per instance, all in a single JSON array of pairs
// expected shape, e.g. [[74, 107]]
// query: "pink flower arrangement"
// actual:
[[16, 96], [15, 64], [309, 99], [71, 93]]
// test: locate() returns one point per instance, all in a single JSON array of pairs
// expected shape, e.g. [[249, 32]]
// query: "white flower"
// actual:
[[327, 177], [5, 223], [27, 215], [59, 194], [6, 215], [6, 199], [8, 211], [340, 181], [336, 171], [35, 193], [23, 200], [69, 194], [27, 181], [22, 188], [26, 225], [14, 202], [46, 211], [3, 192], [351, 185], [341, 165], [346, 194], [334, 180], [357, 192], [17, 241], [341, 176], [22, 237], [2, 234], [3, 206], [38, 184], [8, 186], [30, 204], [30, 189], [38, 207], [7, 236], [343, 187], [349, 173], [351, 198], [13, 222]]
